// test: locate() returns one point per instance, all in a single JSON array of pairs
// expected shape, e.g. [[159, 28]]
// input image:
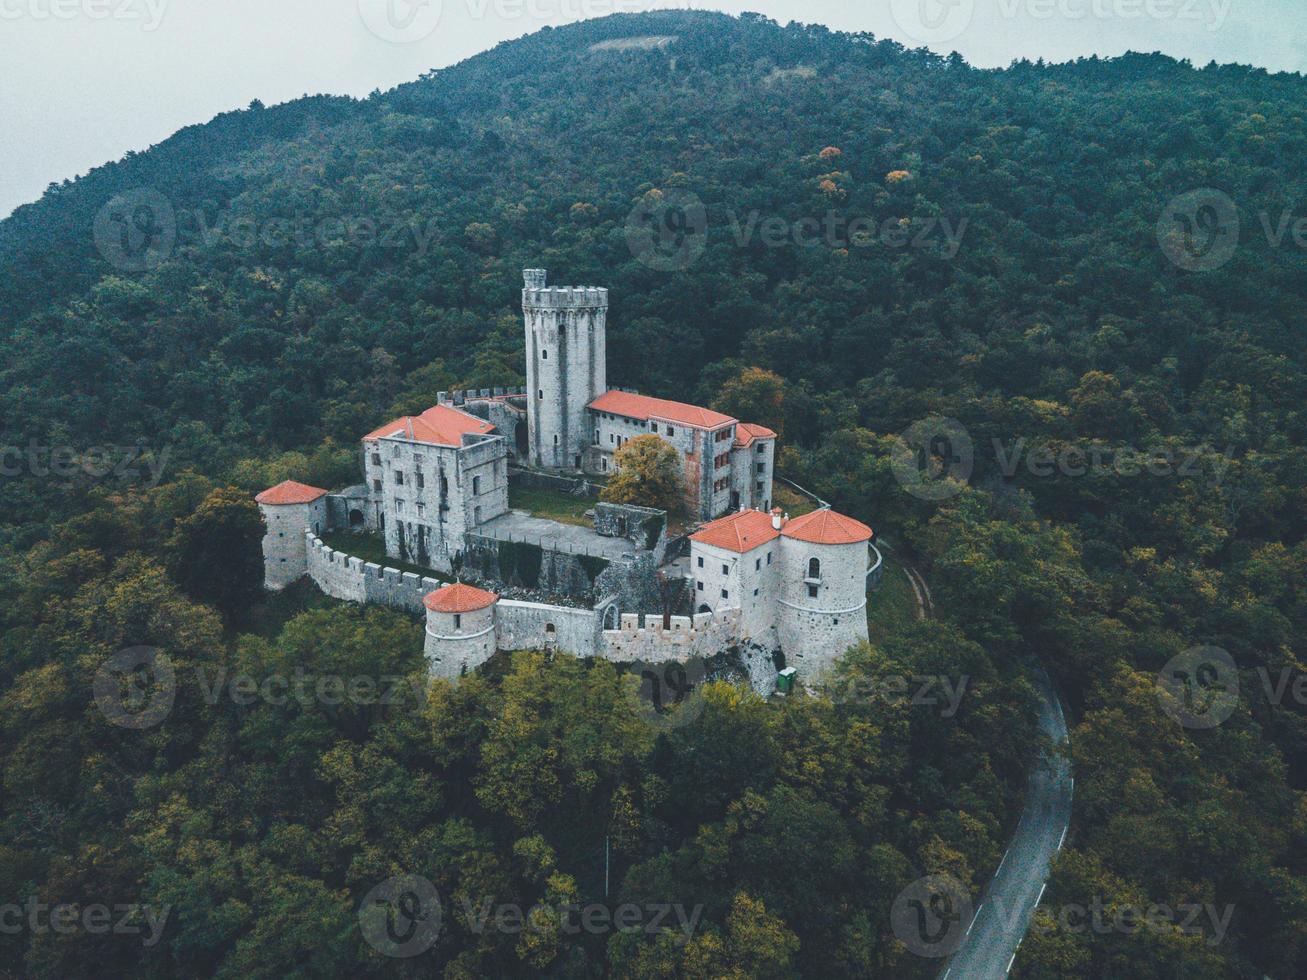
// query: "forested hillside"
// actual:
[[887, 236]]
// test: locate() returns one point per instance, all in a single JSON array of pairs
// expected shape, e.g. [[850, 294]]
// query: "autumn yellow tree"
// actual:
[[754, 395], [648, 474]]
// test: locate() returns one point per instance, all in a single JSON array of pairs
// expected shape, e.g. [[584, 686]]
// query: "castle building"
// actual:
[[431, 479], [762, 586], [800, 585], [576, 423]]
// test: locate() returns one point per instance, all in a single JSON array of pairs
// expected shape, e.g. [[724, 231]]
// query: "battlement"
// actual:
[[565, 298]]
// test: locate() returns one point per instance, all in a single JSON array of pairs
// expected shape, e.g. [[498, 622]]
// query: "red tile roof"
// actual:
[[439, 426], [738, 532], [827, 527], [290, 492], [459, 598], [645, 408], [746, 433]]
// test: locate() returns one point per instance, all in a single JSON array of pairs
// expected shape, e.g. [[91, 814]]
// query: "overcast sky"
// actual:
[[84, 81]]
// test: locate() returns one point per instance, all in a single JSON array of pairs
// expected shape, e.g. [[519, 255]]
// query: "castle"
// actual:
[[747, 580]]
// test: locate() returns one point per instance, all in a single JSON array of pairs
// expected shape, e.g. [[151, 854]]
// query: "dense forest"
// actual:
[[886, 236]]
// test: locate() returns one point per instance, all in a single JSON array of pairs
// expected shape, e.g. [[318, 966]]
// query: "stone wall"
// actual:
[[534, 566], [527, 626], [550, 481], [644, 527], [704, 635], [343, 576]]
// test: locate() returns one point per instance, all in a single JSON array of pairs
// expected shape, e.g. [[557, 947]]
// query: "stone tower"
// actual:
[[566, 353]]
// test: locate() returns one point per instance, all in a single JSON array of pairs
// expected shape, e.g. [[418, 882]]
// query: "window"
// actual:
[[604, 463], [544, 355], [769, 558], [762, 448], [671, 431], [701, 561], [757, 565], [399, 506], [555, 438], [726, 569], [812, 592], [755, 593], [725, 594], [549, 629], [376, 459], [376, 485], [814, 568], [422, 508], [394, 452], [476, 485], [596, 442], [458, 621], [399, 478], [421, 480], [699, 586], [611, 438], [476, 515], [540, 394]]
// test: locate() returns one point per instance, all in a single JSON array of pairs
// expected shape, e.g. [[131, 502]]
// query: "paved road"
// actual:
[[1009, 900]]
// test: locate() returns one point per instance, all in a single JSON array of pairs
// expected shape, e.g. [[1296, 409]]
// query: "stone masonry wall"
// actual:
[[526, 626], [704, 635], [343, 576]]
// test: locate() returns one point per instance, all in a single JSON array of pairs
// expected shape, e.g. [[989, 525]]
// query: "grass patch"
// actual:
[[553, 505], [892, 605], [794, 504], [372, 547]]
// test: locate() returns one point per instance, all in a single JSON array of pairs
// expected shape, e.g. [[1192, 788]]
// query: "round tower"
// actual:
[[460, 630], [566, 356], [821, 589], [288, 509]]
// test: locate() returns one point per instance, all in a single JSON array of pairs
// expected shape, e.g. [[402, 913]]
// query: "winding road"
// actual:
[[1008, 902]]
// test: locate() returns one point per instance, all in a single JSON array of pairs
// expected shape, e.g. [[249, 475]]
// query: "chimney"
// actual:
[[777, 522]]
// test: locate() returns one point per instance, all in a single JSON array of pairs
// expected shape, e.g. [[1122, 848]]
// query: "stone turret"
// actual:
[[460, 630], [566, 357], [288, 510]]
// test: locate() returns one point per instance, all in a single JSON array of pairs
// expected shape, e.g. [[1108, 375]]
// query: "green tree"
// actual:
[[215, 553], [648, 474]]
